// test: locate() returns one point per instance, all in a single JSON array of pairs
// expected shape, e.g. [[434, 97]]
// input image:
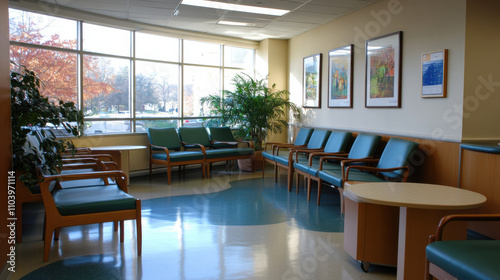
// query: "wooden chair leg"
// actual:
[[47, 241], [275, 173], [57, 231], [169, 174], [289, 179], [308, 188], [138, 225], [122, 231], [298, 181], [320, 183]]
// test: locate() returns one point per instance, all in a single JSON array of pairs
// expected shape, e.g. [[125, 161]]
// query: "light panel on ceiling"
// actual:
[[235, 7]]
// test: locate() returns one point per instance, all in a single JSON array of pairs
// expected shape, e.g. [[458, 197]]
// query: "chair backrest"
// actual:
[[195, 135], [396, 153], [221, 133], [318, 138], [337, 142], [303, 136], [164, 137], [364, 146]]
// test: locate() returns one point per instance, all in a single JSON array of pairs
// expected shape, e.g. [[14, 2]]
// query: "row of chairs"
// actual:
[[194, 145], [88, 189], [323, 156]]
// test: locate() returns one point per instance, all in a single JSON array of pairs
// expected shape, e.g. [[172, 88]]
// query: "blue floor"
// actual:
[[210, 236]]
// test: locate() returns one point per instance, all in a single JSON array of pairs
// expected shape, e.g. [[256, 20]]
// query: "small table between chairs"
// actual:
[[421, 206], [125, 157]]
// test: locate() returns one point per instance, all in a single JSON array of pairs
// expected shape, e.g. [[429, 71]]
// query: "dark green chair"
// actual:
[[222, 137], [463, 259], [316, 143], [197, 137], [271, 149], [392, 166], [165, 149], [335, 146]]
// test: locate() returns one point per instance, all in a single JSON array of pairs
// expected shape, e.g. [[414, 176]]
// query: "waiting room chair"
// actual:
[[463, 259], [301, 140], [166, 149], [88, 205], [335, 146]]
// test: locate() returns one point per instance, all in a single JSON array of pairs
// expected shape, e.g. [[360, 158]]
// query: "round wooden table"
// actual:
[[421, 207]]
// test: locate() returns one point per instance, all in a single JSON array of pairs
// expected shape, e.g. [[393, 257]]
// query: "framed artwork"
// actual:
[[312, 81], [340, 77], [383, 71], [434, 73]]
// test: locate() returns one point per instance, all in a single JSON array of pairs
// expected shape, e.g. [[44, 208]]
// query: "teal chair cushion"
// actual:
[[195, 135], [219, 153], [75, 201], [164, 137], [364, 146], [303, 136], [179, 156], [467, 259], [337, 142], [332, 177], [318, 139], [395, 154], [223, 134]]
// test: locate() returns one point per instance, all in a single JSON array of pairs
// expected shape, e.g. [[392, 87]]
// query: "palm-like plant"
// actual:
[[253, 108]]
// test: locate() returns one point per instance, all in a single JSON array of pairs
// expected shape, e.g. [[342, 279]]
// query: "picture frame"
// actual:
[[434, 74], [383, 71], [340, 81], [312, 81]]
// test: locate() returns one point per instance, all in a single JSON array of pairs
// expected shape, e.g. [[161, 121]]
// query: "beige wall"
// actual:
[[272, 62], [482, 71], [427, 25]]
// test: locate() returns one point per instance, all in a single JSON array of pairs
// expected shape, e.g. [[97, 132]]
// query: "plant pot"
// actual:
[[251, 164]]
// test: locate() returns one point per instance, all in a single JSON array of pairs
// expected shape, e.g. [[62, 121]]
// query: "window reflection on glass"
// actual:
[[202, 53], [238, 57], [106, 87], [156, 47], [107, 127], [199, 82], [142, 126], [116, 41], [156, 90], [56, 70], [43, 30]]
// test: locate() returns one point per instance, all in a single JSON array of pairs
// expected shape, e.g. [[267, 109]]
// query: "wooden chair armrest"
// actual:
[[120, 178], [193, 145], [323, 154], [307, 151], [336, 157], [155, 147], [461, 217]]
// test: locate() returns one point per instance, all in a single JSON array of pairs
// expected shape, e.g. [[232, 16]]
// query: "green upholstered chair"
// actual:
[[88, 205], [364, 146], [463, 259], [392, 166], [335, 146], [271, 149], [222, 137], [316, 143], [194, 137], [165, 149]]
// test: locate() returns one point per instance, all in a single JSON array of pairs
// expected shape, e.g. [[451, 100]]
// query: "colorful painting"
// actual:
[[312, 81], [434, 74], [340, 77], [383, 75]]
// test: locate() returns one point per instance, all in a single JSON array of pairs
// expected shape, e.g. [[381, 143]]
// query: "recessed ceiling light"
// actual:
[[235, 23], [235, 7]]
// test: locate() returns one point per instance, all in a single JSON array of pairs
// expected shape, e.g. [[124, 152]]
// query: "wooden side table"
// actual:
[[421, 207], [125, 157]]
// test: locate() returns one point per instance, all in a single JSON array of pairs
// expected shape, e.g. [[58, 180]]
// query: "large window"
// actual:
[[124, 81]]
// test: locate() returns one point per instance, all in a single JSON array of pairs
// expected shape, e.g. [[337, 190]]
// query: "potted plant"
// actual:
[[253, 108], [33, 114]]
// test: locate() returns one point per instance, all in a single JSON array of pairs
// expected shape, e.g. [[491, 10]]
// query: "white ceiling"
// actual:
[[305, 15]]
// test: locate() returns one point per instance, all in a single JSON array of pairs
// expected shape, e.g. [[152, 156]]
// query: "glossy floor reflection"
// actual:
[[232, 226]]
